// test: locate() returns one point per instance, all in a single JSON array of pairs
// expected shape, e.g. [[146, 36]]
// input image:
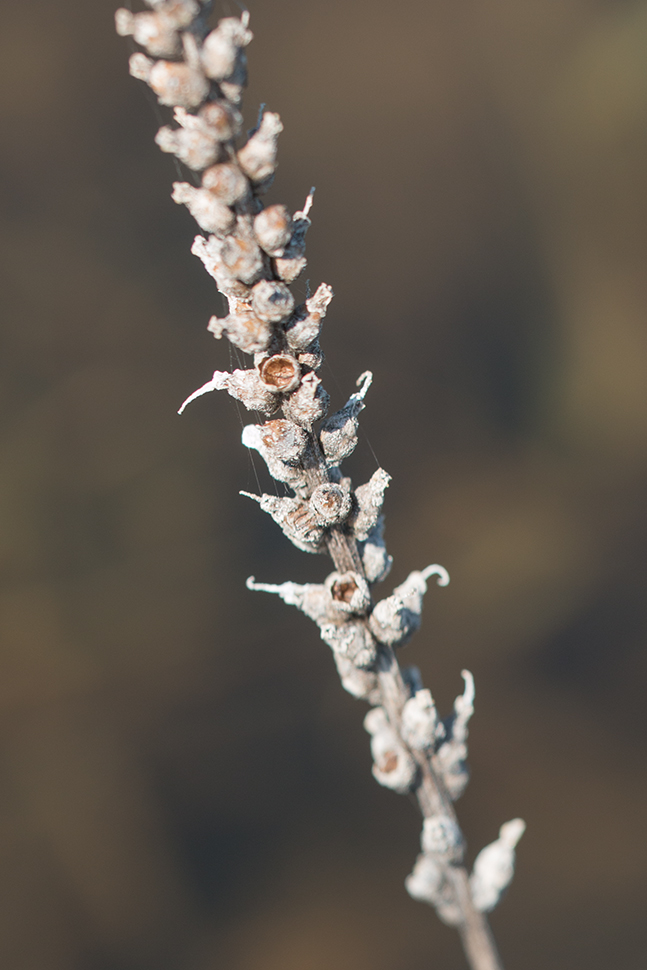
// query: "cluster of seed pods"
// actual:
[[254, 252]]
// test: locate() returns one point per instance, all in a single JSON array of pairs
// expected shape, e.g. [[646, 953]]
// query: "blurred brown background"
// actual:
[[183, 784]]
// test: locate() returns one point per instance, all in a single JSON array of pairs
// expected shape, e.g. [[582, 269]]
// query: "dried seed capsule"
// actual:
[[236, 257], [308, 403], [160, 38], [244, 385], [194, 147], [331, 503], [441, 837], [352, 640], [197, 142], [157, 31], [289, 268], [225, 120], [295, 519], [304, 326], [361, 683], [175, 83], [272, 301], [426, 879], [292, 263], [282, 445], [221, 47], [393, 766], [370, 498], [375, 559], [420, 721], [244, 330], [494, 866], [428, 884], [284, 440], [349, 592], [338, 434], [258, 157], [313, 599], [280, 373], [208, 211], [396, 618], [227, 182], [210, 252], [312, 357], [140, 66], [273, 228]]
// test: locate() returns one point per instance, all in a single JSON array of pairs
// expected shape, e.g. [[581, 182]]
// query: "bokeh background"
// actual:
[[183, 783]]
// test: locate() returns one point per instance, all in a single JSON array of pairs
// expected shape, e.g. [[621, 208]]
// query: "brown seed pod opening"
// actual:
[[280, 372], [331, 502], [388, 762], [342, 591]]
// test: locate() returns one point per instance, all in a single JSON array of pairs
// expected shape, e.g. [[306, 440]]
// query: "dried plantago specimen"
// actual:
[[254, 253]]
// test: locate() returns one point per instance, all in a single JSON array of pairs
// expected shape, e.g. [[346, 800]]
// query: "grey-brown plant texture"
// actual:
[[254, 253]]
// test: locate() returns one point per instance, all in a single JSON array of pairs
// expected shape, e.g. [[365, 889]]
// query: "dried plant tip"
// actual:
[[442, 838], [227, 182], [331, 503], [273, 228], [272, 301], [494, 866], [221, 48], [244, 330], [370, 498], [175, 83], [308, 403], [208, 211], [281, 447], [349, 592], [258, 157], [281, 373], [393, 766]]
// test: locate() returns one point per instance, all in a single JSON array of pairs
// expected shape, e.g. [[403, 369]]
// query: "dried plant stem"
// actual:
[[433, 798], [255, 252]]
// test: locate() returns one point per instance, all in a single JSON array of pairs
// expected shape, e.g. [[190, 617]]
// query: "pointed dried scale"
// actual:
[[254, 253]]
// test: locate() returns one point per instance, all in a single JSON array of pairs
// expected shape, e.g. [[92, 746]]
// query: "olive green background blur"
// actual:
[[183, 783]]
